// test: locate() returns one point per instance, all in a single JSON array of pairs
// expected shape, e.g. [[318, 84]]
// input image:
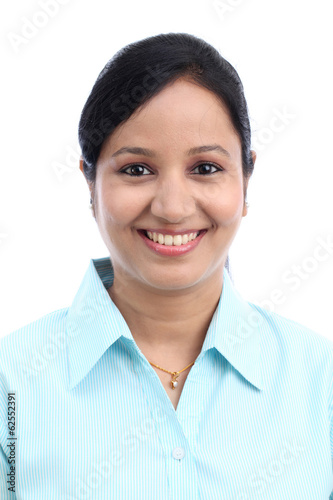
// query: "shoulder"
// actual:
[[274, 327], [290, 329], [33, 340], [293, 340], [288, 336]]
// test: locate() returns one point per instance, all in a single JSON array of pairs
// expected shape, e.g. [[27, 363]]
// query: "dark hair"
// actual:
[[140, 70]]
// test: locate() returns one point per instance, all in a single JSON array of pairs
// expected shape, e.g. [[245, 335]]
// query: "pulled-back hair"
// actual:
[[140, 70]]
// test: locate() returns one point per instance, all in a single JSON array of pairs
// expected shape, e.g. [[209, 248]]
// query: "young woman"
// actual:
[[160, 381]]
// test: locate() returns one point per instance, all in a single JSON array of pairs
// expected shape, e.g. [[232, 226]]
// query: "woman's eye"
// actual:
[[136, 170], [206, 169]]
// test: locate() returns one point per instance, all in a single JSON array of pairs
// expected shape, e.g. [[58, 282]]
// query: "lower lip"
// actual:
[[172, 250]]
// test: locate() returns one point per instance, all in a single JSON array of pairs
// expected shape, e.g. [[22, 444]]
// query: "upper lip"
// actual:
[[170, 232]]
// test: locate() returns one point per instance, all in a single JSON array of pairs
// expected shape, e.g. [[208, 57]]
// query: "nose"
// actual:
[[173, 200]]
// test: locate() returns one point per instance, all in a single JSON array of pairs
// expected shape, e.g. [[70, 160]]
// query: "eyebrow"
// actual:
[[191, 152]]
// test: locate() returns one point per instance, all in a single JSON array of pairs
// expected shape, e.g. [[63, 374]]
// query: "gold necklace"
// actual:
[[175, 375]]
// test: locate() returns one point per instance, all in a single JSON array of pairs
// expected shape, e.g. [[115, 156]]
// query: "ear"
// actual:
[[245, 206], [82, 170], [81, 164], [246, 182], [91, 188]]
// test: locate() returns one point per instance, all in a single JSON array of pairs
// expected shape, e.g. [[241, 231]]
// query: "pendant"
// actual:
[[174, 381]]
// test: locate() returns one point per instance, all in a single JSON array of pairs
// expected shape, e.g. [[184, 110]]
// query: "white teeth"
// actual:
[[169, 240], [178, 240]]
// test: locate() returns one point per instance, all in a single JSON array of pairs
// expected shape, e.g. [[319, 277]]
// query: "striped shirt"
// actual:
[[83, 415]]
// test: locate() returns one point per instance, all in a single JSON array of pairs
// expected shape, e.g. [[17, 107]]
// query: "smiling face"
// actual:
[[174, 168]]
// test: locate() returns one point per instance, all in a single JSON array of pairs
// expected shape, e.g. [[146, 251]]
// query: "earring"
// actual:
[[90, 205]]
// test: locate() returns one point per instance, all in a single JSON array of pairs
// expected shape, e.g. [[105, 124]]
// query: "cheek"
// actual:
[[119, 207], [225, 206]]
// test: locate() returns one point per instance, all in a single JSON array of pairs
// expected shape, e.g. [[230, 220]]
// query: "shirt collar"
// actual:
[[235, 331], [94, 323]]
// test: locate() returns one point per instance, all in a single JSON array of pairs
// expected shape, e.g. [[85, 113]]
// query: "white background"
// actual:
[[283, 53]]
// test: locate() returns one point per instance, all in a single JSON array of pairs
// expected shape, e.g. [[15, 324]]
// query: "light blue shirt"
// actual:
[[93, 420]]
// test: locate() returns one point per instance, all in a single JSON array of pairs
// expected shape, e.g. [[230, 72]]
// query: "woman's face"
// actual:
[[173, 168]]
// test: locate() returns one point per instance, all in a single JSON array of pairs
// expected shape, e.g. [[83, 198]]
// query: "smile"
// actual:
[[171, 245], [169, 240]]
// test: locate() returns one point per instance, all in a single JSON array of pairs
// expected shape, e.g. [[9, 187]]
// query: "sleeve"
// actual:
[[5, 493]]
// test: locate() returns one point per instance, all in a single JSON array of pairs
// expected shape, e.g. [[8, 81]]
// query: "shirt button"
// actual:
[[178, 453]]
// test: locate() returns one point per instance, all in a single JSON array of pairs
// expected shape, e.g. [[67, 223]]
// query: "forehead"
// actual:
[[182, 114]]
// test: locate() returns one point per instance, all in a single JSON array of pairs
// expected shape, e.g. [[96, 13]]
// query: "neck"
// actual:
[[167, 326]]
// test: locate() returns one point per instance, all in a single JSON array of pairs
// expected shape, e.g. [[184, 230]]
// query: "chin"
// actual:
[[173, 279]]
